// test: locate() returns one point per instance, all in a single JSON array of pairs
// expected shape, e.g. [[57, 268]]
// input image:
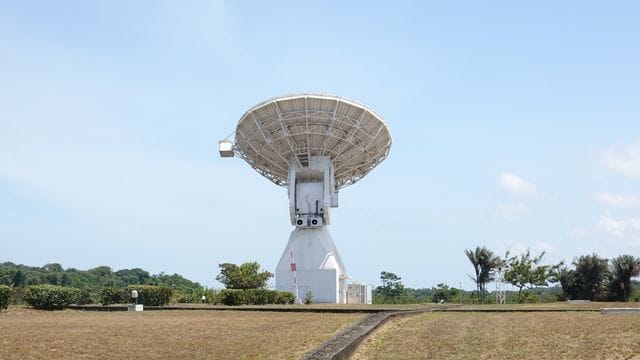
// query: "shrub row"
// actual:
[[255, 297], [50, 297], [147, 295], [151, 295], [5, 296], [111, 295]]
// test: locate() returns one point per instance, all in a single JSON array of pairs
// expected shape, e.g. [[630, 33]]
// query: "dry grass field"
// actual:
[[369, 307], [555, 306], [69, 334], [564, 335]]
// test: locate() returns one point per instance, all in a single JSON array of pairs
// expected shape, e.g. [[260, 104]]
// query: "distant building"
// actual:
[[359, 293]]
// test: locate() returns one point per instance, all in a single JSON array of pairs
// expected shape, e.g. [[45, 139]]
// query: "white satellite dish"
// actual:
[[314, 145]]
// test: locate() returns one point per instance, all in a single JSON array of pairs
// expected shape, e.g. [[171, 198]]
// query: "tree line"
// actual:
[[245, 283], [91, 281], [588, 277]]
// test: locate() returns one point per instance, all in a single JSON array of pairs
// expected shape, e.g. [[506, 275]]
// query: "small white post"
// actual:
[[134, 302]]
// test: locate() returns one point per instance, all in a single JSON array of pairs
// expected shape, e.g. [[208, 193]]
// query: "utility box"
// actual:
[[359, 293], [135, 307], [226, 148]]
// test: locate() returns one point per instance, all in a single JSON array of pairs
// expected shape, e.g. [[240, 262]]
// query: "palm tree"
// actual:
[[623, 268], [592, 277], [483, 261]]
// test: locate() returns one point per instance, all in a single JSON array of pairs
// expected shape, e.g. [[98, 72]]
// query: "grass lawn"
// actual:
[[555, 335], [561, 305], [368, 307], [69, 334]]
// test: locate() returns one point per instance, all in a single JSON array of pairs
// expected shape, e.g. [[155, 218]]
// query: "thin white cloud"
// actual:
[[617, 200], [516, 248], [625, 160], [516, 185], [578, 233], [510, 212], [625, 230]]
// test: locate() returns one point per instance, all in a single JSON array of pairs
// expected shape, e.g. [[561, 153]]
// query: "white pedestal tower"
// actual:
[[313, 145]]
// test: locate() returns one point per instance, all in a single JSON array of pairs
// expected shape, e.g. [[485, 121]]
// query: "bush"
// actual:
[[212, 296], [86, 297], [186, 298], [284, 297], [50, 297], [189, 296], [5, 296], [308, 297], [17, 295], [233, 297], [260, 296], [110, 295], [151, 295]]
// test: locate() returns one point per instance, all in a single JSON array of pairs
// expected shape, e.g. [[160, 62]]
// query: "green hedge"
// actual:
[[284, 297], [255, 297], [150, 295], [212, 296], [87, 296], [260, 296], [111, 295], [50, 297], [159, 296], [233, 297], [5, 296], [188, 296]]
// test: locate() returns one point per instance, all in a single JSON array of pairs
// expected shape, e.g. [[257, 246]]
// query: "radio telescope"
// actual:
[[313, 145]]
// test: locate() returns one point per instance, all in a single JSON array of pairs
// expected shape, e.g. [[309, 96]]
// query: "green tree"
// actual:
[[18, 279], [524, 271], [444, 293], [51, 279], [6, 277], [135, 276], [245, 276], [591, 277], [623, 268], [65, 281], [568, 282], [392, 290], [102, 276], [52, 267], [483, 261]]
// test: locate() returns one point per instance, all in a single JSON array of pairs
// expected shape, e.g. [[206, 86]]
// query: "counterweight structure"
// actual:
[[314, 145]]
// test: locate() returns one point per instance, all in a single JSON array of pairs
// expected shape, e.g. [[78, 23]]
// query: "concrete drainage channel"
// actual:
[[229, 308], [345, 343]]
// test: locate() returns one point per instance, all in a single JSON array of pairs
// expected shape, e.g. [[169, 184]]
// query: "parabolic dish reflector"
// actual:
[[294, 128]]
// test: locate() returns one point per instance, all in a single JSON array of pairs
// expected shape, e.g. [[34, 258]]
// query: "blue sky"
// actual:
[[515, 125]]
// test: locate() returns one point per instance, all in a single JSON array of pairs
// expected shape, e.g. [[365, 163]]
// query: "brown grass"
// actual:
[[506, 336], [32, 334], [563, 305], [368, 307]]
